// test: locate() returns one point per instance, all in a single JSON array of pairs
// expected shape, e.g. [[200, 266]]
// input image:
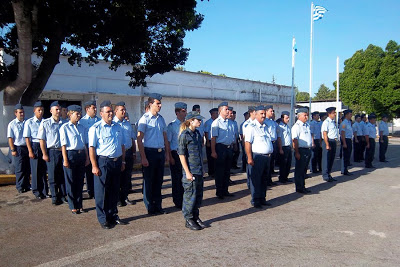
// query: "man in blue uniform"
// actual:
[[272, 127], [87, 121], [250, 120], [64, 113], [236, 149], [244, 159], [38, 165], [329, 132], [302, 143], [49, 138], [383, 138], [316, 160], [285, 147], [357, 139], [207, 134], [370, 135], [107, 154], [258, 148], [196, 108], [19, 151], [346, 133], [174, 161], [363, 125], [154, 152], [223, 136], [130, 154]]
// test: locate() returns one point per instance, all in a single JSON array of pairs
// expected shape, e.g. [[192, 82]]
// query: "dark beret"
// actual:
[[357, 116], [223, 104], [302, 110], [54, 104], [120, 103], [105, 103], [269, 107], [195, 107], [213, 110], [194, 115], [372, 116], [89, 103], [260, 107], [251, 108], [315, 113], [287, 113], [181, 105], [347, 111], [38, 104], [385, 116], [18, 106], [330, 109], [230, 108], [246, 113], [322, 114], [74, 108], [156, 96]]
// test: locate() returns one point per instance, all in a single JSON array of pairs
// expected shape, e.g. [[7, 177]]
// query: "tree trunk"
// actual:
[[23, 21]]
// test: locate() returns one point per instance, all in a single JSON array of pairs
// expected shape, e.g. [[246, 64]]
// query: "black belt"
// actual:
[[332, 140], [348, 138], [21, 146], [305, 148], [109, 158], [53, 148], [261, 154], [154, 149], [220, 144], [76, 151]]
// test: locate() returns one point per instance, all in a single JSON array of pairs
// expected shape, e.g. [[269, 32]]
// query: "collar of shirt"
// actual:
[[222, 119], [104, 124], [53, 121], [35, 119], [152, 116], [117, 120]]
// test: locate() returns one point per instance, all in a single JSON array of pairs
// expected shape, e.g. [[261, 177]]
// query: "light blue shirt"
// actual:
[[64, 120], [236, 128], [370, 130], [315, 127], [15, 130], [153, 128], [258, 136], [201, 129], [106, 139], [345, 126], [31, 128], [285, 133], [128, 132], [271, 125], [87, 122], [245, 124], [301, 131], [72, 137], [173, 133], [363, 125], [357, 128], [207, 127], [330, 127], [383, 127], [223, 131], [49, 131]]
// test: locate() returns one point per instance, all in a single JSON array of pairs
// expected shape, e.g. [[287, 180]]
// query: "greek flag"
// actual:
[[319, 12]]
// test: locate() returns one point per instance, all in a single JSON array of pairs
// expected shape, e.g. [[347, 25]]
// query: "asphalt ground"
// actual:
[[352, 222]]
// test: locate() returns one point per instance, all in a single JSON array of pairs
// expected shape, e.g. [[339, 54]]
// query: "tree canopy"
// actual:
[[146, 34], [370, 81], [302, 96], [324, 93]]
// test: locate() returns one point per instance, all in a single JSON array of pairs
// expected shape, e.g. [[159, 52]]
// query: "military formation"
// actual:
[[54, 156]]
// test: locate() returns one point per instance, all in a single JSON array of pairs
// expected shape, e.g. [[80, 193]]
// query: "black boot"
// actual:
[[192, 225]]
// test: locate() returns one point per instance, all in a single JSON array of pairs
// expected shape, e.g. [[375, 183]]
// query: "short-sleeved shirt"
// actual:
[[357, 128], [153, 128], [72, 136], [285, 133], [363, 125], [87, 122], [259, 138], [301, 131], [201, 129], [31, 128], [106, 139], [49, 131], [245, 124], [345, 126], [173, 133], [330, 127], [271, 125], [223, 131], [207, 127], [15, 130], [128, 132], [383, 127], [370, 130], [315, 127], [190, 145]]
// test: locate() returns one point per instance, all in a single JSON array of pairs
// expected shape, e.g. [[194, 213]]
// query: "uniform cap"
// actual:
[[213, 110], [195, 107], [223, 104], [287, 113], [105, 103], [347, 111], [181, 105], [121, 103], [156, 96], [74, 108], [357, 116], [251, 108], [194, 115], [246, 113], [385, 116], [260, 107], [89, 103], [330, 109], [322, 114], [18, 106], [302, 110], [269, 107], [54, 104], [38, 104], [230, 108], [372, 116], [315, 113]]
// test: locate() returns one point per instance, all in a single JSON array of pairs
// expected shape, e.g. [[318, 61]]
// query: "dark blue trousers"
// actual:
[[383, 147], [56, 174], [153, 177], [22, 169], [210, 162], [357, 146], [106, 188], [89, 178], [370, 153], [192, 196], [176, 178], [316, 160], [285, 162], [329, 159], [258, 172], [126, 176], [346, 155], [38, 170], [74, 178], [222, 168], [301, 167]]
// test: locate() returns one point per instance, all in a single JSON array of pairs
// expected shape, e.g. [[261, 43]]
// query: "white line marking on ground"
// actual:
[[380, 234], [70, 260], [395, 186], [347, 232]]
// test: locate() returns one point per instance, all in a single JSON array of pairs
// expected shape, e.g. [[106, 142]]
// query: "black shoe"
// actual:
[[106, 225], [201, 224], [151, 213], [257, 206], [130, 202], [42, 196], [347, 173], [383, 161], [332, 180], [282, 181], [307, 190], [162, 211], [227, 194], [192, 225], [121, 203], [220, 196], [301, 191], [265, 203], [120, 222]]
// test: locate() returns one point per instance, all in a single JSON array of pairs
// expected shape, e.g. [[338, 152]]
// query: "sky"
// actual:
[[253, 39]]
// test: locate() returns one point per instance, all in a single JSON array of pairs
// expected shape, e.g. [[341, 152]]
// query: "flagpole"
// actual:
[[311, 49], [293, 96], [337, 89]]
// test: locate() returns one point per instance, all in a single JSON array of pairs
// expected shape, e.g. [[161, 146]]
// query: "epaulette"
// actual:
[[96, 124]]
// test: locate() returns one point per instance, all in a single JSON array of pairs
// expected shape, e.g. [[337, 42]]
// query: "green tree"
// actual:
[[324, 93], [371, 80], [205, 72], [146, 34], [301, 96]]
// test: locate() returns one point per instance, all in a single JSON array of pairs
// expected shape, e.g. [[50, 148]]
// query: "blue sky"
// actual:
[[253, 39]]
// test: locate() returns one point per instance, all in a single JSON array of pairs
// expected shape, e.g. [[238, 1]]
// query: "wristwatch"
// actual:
[[13, 150]]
